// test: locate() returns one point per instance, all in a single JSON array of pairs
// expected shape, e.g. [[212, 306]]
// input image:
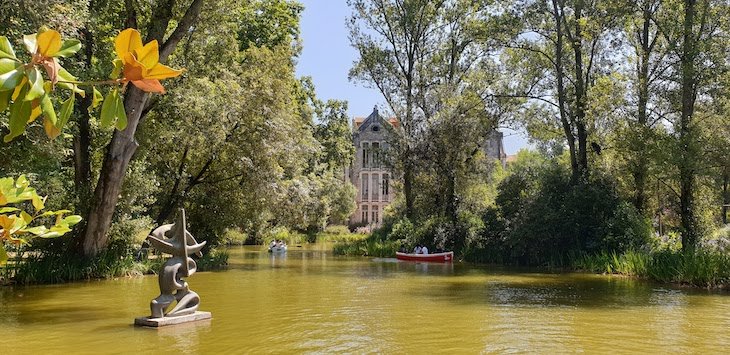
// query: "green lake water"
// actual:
[[309, 301]]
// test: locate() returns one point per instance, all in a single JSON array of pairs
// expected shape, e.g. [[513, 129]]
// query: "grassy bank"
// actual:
[[708, 269], [334, 233], [59, 268], [703, 268], [367, 245]]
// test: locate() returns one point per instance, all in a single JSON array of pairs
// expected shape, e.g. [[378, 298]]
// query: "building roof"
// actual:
[[358, 121]]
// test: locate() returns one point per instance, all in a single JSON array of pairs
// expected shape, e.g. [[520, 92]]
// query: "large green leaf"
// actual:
[[30, 43], [3, 254], [19, 115], [6, 50], [71, 220], [38, 230], [5, 99], [35, 80], [121, 114], [51, 235], [64, 75], [11, 73], [47, 107], [66, 109], [68, 48], [112, 111]]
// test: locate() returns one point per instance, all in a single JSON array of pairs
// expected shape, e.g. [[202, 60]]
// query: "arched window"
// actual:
[[384, 187]]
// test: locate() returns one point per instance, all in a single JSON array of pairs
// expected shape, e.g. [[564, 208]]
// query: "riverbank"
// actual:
[[702, 268], [127, 259], [705, 269], [54, 268]]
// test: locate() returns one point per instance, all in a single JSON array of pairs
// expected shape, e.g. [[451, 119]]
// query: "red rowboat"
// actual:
[[446, 257]]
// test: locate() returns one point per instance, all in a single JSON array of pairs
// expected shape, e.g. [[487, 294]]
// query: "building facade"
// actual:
[[369, 174]]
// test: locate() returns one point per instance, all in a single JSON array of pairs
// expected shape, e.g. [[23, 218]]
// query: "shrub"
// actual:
[[543, 217]]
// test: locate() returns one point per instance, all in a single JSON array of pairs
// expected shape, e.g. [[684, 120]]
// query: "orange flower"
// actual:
[[142, 63]]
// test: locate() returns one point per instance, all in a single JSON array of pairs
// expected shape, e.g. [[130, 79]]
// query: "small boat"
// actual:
[[445, 257], [278, 249]]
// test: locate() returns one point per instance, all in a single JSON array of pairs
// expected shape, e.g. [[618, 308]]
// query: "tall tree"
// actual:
[[649, 55], [564, 46], [455, 96], [334, 134], [392, 38], [123, 144], [696, 40]]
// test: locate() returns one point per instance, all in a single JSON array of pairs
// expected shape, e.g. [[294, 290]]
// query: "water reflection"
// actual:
[[310, 301]]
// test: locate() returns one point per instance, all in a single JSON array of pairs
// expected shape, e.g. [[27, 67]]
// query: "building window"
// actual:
[[375, 215], [376, 154], [365, 180], [376, 128], [365, 154], [385, 187], [375, 184], [364, 217]]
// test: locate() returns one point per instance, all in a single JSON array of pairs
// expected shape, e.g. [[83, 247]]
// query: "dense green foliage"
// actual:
[[234, 141], [623, 101]]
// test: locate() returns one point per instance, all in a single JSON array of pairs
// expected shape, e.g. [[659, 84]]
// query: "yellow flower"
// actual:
[[8, 226], [142, 63]]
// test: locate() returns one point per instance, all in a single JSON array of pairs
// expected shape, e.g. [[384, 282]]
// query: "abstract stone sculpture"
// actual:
[[174, 239]]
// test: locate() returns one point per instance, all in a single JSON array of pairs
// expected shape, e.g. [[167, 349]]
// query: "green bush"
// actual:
[[543, 217], [213, 259]]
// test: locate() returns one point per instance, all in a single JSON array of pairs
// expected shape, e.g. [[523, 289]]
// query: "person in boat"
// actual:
[[417, 249], [424, 250], [272, 244]]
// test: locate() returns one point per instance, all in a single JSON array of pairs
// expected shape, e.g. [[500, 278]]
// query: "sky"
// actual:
[[327, 57]]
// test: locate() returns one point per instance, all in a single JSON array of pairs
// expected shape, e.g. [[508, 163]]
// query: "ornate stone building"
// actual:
[[368, 172]]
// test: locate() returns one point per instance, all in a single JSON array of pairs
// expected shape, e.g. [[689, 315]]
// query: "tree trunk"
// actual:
[[725, 194], [123, 145], [686, 131], [640, 170], [408, 187], [581, 98], [560, 77], [109, 186]]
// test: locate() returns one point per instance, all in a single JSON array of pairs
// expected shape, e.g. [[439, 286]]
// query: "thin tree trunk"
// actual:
[[560, 77], [686, 131], [408, 188], [580, 97], [725, 194], [640, 169]]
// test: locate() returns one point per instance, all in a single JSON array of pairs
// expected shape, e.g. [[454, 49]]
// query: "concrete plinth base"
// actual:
[[164, 321]]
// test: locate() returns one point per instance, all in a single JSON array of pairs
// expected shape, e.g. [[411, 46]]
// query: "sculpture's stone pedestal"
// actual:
[[164, 321]]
